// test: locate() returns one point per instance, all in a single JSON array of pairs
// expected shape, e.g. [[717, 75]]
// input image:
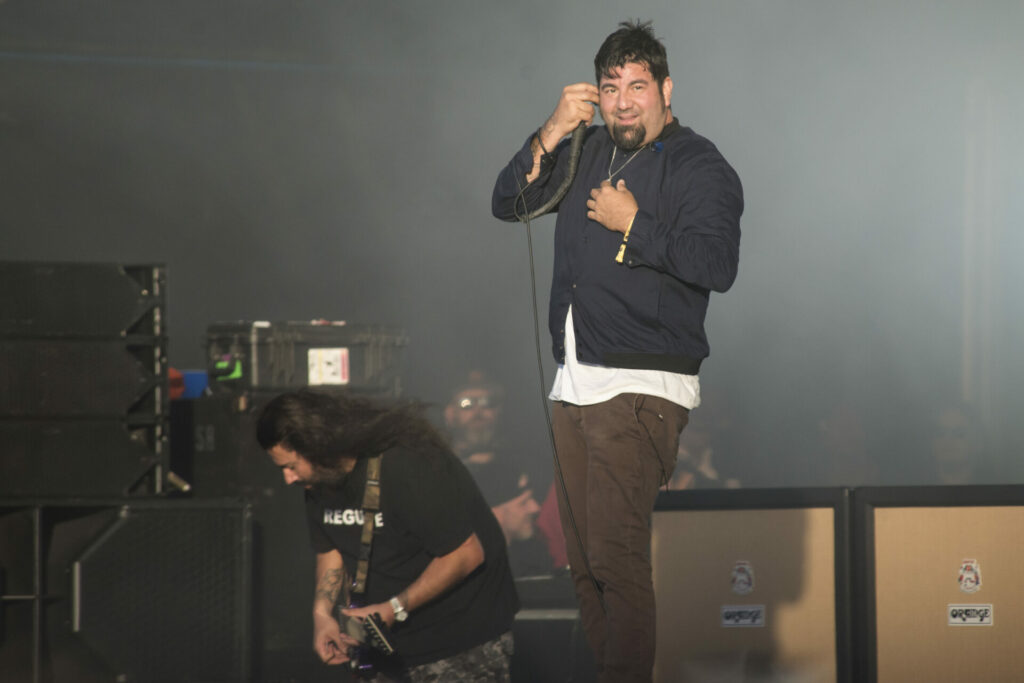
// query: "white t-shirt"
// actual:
[[585, 384]]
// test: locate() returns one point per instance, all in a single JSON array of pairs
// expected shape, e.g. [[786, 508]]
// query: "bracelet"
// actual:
[[625, 238], [541, 143], [625, 235]]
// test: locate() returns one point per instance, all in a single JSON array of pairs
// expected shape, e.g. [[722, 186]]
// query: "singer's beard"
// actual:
[[628, 138]]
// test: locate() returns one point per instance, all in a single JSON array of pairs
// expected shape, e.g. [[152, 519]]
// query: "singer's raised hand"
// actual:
[[574, 106]]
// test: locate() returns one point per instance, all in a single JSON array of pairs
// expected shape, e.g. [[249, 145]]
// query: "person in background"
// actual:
[[957, 448], [506, 489], [472, 417], [697, 461]]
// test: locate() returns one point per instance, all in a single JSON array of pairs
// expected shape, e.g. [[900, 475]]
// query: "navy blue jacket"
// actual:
[[647, 312]]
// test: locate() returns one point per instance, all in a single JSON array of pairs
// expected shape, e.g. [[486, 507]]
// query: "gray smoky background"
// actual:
[[335, 159]]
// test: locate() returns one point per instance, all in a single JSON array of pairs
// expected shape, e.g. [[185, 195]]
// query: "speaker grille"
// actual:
[[162, 594]]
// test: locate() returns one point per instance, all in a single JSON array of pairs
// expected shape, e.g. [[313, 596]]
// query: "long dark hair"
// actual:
[[323, 427]]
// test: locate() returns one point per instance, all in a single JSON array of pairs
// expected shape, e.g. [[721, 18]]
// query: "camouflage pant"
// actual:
[[488, 662]]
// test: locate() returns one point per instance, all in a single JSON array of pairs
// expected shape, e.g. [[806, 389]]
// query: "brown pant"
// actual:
[[614, 456]]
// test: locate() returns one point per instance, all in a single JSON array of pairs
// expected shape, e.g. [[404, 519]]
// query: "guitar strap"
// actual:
[[371, 505]]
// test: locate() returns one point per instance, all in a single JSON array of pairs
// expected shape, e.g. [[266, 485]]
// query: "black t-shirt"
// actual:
[[429, 506]]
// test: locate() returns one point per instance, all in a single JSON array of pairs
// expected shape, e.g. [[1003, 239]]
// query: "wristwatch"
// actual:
[[398, 609]]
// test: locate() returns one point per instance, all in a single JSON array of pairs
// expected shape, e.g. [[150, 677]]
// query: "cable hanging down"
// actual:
[[575, 148]]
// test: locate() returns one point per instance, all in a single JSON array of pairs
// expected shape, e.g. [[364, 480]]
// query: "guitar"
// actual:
[[374, 640]]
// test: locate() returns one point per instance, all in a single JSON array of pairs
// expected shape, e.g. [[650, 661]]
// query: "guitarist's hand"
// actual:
[[387, 615], [329, 642]]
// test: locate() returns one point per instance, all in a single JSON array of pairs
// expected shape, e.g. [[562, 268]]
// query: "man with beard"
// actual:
[[648, 228], [472, 416], [438, 573], [506, 489]]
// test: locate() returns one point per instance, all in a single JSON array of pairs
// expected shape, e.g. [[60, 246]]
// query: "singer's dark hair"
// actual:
[[633, 42], [323, 427]]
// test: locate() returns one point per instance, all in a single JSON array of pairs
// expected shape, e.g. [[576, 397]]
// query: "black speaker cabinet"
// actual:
[[83, 371], [550, 645], [940, 572], [80, 299], [214, 448], [752, 585], [124, 590], [103, 458]]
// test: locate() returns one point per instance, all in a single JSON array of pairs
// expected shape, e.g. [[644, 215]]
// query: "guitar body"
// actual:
[[374, 641]]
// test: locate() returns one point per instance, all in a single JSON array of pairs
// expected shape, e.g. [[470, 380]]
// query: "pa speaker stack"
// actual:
[[101, 578], [83, 409]]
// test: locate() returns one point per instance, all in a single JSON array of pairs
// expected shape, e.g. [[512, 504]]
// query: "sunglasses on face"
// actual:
[[471, 402]]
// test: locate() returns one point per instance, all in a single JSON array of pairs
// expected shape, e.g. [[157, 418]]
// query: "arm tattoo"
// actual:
[[331, 583]]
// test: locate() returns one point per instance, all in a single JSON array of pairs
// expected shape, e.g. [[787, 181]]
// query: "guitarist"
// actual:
[[438, 575]]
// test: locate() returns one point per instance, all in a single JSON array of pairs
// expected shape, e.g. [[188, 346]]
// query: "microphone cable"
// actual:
[[575, 150]]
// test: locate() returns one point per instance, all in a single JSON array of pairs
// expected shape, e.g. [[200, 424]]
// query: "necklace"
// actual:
[[624, 164]]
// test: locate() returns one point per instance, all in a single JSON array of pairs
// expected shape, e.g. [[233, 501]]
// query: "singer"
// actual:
[[649, 227]]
